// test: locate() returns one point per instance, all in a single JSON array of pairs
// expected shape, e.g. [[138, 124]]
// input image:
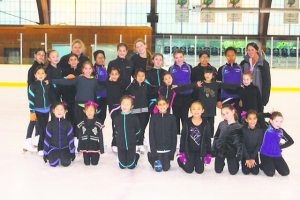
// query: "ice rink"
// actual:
[[26, 176]]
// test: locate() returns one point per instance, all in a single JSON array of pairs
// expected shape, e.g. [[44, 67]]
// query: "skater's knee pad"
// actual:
[[65, 163], [284, 173], [269, 173]]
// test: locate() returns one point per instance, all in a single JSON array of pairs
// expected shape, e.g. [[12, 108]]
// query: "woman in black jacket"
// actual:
[[195, 142], [260, 69], [162, 136]]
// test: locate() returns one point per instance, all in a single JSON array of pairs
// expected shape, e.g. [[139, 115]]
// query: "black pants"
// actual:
[[233, 164], [194, 162], [68, 96], [143, 119], [163, 157], [62, 156], [128, 158], [269, 165], [30, 128], [42, 120], [180, 108], [101, 114], [91, 158], [246, 170], [113, 116], [211, 121]]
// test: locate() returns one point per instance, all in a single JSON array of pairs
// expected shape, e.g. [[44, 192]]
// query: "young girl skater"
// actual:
[[162, 137], [115, 88], [59, 140], [271, 149], [181, 72], [86, 87], [90, 135], [139, 91], [252, 138], [227, 141], [127, 130], [101, 75], [154, 77], [195, 142], [54, 72], [31, 143], [38, 95]]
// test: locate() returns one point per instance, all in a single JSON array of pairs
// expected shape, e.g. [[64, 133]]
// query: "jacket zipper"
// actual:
[[125, 132], [158, 78], [59, 133], [43, 94]]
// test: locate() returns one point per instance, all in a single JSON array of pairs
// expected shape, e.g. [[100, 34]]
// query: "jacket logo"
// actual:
[[94, 131], [83, 130]]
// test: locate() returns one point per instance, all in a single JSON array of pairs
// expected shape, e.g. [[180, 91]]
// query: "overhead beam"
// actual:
[[263, 23], [44, 11]]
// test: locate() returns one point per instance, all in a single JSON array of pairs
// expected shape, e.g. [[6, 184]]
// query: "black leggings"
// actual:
[[269, 165], [233, 164], [30, 128], [246, 170], [180, 108], [163, 157], [57, 156], [128, 158], [194, 162], [143, 119], [91, 158], [211, 121], [101, 114], [42, 120]]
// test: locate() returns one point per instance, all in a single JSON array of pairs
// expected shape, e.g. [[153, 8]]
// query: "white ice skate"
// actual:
[[140, 149], [114, 149], [28, 146], [41, 153], [35, 141], [178, 141]]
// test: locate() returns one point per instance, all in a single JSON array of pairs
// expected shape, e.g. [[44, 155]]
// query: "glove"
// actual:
[[45, 158], [182, 158], [207, 159], [70, 76], [73, 156], [33, 117]]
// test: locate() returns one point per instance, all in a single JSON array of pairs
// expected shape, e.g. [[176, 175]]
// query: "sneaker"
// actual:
[[28, 146], [35, 141], [41, 153], [114, 149]]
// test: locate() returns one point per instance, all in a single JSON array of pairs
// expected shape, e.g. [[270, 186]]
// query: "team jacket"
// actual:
[[127, 128], [182, 75], [252, 140], [59, 135], [251, 98], [163, 133], [231, 74], [228, 140], [198, 73], [125, 68], [205, 139], [38, 95], [272, 145], [90, 136], [115, 91], [101, 75]]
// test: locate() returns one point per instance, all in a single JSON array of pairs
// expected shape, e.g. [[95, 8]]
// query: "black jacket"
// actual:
[[197, 73], [127, 128], [55, 90], [138, 62], [90, 136], [115, 91], [205, 139], [154, 79], [163, 133], [38, 95], [264, 69], [139, 93], [251, 98], [252, 140], [125, 68], [59, 135], [228, 140]]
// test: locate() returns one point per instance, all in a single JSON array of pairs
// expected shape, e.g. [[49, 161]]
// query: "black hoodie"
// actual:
[[125, 68]]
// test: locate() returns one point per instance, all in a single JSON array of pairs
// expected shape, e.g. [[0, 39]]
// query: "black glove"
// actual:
[[45, 158], [73, 156]]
